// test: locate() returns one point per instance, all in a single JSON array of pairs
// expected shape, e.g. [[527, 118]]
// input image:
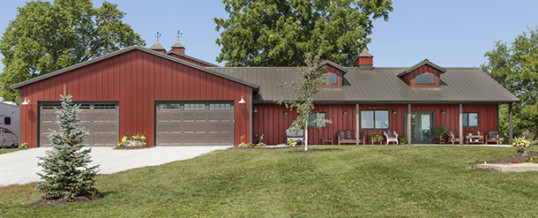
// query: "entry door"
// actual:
[[421, 127]]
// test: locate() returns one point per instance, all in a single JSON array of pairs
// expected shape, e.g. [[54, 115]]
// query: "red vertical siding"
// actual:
[[136, 80], [271, 120]]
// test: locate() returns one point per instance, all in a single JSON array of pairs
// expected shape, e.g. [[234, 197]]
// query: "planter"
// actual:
[[376, 141]]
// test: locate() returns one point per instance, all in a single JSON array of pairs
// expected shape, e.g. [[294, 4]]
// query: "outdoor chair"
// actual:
[[452, 137], [295, 134], [492, 136], [391, 136], [349, 137]]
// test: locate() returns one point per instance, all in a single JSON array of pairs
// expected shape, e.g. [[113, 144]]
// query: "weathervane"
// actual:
[[158, 35], [179, 33]]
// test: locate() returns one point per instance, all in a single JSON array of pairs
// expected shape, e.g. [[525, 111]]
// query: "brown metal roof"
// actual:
[[125, 50], [192, 58], [380, 85]]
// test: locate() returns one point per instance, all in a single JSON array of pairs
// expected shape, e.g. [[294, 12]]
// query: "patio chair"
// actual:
[[391, 136], [452, 137], [295, 134], [492, 136]]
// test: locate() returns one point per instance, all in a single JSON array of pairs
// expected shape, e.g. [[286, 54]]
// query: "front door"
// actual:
[[421, 127]]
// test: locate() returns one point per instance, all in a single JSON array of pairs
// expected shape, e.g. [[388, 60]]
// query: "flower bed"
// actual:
[[132, 142]]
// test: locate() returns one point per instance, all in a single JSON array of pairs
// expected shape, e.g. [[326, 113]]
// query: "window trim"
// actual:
[[315, 125], [467, 124], [388, 115]]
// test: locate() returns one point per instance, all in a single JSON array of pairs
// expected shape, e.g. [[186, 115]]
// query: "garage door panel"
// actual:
[[194, 124], [101, 121]]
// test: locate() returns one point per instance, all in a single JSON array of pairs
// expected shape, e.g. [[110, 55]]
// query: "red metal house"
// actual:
[[175, 99]]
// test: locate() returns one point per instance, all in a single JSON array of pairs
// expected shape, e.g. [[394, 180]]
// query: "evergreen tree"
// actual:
[[65, 168]]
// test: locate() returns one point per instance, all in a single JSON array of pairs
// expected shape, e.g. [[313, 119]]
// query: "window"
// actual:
[[104, 106], [194, 106], [375, 119], [169, 106], [332, 79], [425, 79], [470, 119], [219, 106], [316, 120], [7, 120]]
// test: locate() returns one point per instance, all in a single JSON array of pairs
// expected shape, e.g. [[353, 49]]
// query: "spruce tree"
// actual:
[[65, 168]]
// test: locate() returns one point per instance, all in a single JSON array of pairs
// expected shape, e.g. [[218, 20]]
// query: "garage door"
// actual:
[[184, 124], [100, 120]]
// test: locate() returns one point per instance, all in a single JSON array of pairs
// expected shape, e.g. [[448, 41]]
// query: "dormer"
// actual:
[[423, 74], [334, 73]]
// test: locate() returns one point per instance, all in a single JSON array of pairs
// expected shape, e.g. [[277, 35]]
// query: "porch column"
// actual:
[[409, 124], [460, 126], [357, 124], [250, 111], [510, 127]]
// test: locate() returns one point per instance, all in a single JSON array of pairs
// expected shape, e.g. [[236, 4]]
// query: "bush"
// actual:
[[133, 141], [292, 143], [260, 144], [376, 137], [23, 145], [521, 144], [402, 139], [439, 132]]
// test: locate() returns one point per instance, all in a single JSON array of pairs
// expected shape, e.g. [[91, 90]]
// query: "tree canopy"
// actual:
[[46, 36], [515, 66], [282, 32]]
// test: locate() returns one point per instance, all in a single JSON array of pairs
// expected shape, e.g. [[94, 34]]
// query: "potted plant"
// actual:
[[439, 133], [376, 138], [402, 140]]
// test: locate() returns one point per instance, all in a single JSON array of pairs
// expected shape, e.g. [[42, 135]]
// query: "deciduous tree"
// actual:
[[45, 37], [515, 66], [282, 32]]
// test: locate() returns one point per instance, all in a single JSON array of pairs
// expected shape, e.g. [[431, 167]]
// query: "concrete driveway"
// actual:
[[21, 167]]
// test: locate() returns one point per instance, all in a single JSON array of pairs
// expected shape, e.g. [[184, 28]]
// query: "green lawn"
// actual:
[[3, 151], [334, 181]]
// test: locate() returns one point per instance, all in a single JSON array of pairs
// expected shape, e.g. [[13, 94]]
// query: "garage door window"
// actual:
[[170, 106], [194, 106], [104, 106], [219, 106]]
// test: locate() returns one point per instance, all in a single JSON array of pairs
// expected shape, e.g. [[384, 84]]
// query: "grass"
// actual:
[[4, 151], [334, 181]]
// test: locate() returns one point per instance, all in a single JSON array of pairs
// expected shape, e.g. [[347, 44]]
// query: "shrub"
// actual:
[[23, 145], [292, 143], [521, 144], [260, 144], [402, 139], [243, 144], [376, 137], [251, 145], [133, 141], [439, 132]]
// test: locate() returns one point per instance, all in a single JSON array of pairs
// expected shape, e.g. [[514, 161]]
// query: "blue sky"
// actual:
[[453, 33]]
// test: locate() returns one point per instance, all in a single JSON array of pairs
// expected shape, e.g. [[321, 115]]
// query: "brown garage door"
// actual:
[[197, 124], [100, 120]]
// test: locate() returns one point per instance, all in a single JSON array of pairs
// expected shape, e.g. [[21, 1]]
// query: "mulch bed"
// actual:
[[81, 199], [518, 158], [130, 148]]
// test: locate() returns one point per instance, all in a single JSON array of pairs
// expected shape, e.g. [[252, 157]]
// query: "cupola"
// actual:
[[158, 47], [365, 60]]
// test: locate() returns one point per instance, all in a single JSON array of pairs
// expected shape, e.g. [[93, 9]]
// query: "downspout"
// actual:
[[510, 126]]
